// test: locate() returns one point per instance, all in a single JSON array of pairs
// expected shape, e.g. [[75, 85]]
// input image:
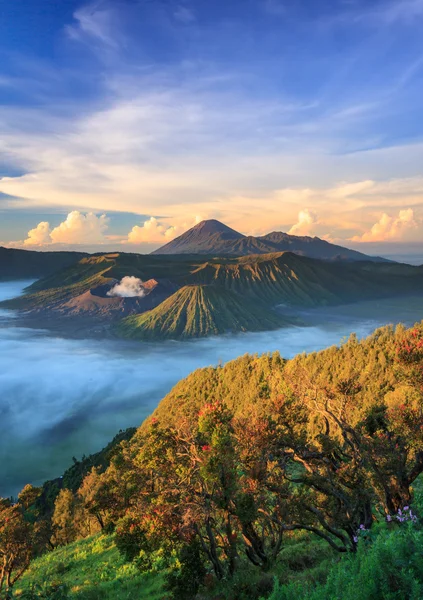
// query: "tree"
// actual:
[[16, 544], [64, 520]]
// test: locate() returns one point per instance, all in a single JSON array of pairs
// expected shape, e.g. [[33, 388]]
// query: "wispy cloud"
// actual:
[[98, 22], [184, 14]]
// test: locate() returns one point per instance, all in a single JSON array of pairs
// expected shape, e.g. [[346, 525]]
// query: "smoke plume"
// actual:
[[128, 287]]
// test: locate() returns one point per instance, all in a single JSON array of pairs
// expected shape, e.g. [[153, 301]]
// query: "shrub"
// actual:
[[184, 582], [389, 568]]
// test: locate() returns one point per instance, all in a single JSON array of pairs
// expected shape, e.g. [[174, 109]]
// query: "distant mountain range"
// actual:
[[185, 296], [28, 264], [216, 239]]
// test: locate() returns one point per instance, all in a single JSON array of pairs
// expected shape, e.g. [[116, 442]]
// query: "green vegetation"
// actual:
[[264, 478], [197, 311], [241, 292], [90, 569]]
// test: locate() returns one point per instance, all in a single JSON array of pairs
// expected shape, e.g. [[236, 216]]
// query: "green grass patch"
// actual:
[[91, 569]]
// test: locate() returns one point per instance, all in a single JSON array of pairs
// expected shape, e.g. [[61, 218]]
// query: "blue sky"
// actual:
[[139, 117]]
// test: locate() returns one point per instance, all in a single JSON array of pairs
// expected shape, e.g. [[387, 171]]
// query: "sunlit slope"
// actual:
[[248, 383], [286, 278], [198, 311], [88, 569]]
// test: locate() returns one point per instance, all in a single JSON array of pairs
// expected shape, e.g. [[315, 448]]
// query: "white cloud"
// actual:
[[390, 228], [80, 229], [306, 220], [39, 236], [77, 228], [152, 231]]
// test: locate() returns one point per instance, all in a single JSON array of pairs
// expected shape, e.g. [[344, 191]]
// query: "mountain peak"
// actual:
[[212, 226], [213, 238], [203, 238]]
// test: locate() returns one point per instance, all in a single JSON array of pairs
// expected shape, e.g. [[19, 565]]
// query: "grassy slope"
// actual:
[[92, 569], [197, 311], [290, 279], [66, 284], [280, 278]]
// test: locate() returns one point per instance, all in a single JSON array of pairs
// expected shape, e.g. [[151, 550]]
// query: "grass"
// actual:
[[92, 569], [197, 311]]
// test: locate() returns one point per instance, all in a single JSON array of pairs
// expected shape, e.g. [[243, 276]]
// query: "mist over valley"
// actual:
[[64, 397]]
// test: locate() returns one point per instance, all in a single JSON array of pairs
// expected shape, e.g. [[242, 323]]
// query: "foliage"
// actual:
[[388, 568], [19, 536], [89, 569], [184, 582]]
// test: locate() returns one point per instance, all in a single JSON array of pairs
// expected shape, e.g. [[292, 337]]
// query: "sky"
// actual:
[[125, 122]]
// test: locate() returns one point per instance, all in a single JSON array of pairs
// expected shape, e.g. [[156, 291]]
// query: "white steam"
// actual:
[[128, 287]]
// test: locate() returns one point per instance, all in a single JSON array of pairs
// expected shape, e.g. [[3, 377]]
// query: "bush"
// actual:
[[184, 582], [131, 539], [389, 568], [45, 592]]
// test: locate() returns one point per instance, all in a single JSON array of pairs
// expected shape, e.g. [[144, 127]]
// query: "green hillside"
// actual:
[[197, 311], [279, 278], [286, 278], [261, 479]]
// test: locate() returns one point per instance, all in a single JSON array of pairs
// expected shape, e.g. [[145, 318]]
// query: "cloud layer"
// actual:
[[306, 220], [152, 231]]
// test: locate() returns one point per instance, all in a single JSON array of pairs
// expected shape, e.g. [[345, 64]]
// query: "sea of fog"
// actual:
[[61, 397]]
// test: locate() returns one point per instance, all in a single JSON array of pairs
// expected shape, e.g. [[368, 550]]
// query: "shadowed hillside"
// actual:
[[27, 264]]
